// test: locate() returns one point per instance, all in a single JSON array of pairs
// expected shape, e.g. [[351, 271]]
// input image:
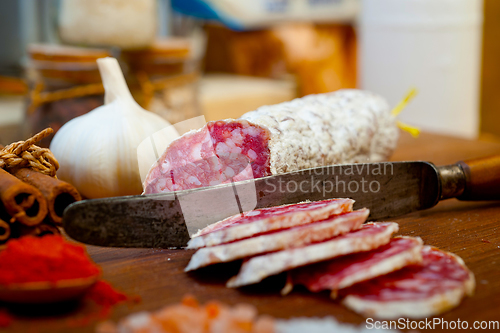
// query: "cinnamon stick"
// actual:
[[4, 231], [57, 193], [23, 202], [42, 229]]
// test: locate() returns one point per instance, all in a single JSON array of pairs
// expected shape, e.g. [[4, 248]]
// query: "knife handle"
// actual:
[[482, 178]]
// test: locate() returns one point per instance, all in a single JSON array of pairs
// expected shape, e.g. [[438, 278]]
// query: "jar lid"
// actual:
[[62, 53], [172, 48]]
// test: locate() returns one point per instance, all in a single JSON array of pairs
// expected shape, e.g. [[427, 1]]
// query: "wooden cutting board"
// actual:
[[469, 229]]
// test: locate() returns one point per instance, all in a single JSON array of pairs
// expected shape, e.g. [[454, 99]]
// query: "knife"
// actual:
[[388, 189]]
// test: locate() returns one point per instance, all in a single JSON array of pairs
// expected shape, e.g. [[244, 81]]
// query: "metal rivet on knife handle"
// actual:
[[452, 181]]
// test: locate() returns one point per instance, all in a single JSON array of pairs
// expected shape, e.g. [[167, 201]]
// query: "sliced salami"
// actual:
[[347, 126], [437, 285], [370, 236], [218, 153], [264, 220], [345, 271], [275, 241]]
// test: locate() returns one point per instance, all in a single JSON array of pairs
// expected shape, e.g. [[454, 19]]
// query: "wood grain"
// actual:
[[469, 229], [482, 178], [490, 73]]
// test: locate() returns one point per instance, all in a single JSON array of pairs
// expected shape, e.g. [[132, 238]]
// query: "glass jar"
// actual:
[[164, 78], [64, 83]]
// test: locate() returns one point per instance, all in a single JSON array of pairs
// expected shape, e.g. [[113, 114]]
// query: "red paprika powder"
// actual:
[[5, 318], [51, 258], [48, 258], [102, 293]]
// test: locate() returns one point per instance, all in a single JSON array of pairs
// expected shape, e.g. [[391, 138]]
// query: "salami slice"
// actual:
[[438, 285], [345, 271], [369, 236], [268, 219], [275, 241], [347, 126]]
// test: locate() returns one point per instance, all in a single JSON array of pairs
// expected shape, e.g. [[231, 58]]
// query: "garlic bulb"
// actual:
[[97, 152]]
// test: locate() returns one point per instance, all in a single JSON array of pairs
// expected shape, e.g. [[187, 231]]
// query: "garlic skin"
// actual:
[[97, 152]]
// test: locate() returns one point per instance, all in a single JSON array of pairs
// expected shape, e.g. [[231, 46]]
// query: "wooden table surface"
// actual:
[[469, 229]]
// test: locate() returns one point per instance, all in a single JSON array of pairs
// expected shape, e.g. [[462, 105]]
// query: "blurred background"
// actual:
[[222, 58]]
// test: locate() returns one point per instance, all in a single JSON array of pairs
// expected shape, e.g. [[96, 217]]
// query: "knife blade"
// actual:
[[388, 189]]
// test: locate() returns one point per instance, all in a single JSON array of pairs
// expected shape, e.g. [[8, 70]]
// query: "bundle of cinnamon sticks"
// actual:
[[32, 199]]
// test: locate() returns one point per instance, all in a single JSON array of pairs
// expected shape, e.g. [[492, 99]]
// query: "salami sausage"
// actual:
[[347, 126], [220, 152], [275, 241], [437, 285], [263, 220], [369, 236], [343, 272]]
